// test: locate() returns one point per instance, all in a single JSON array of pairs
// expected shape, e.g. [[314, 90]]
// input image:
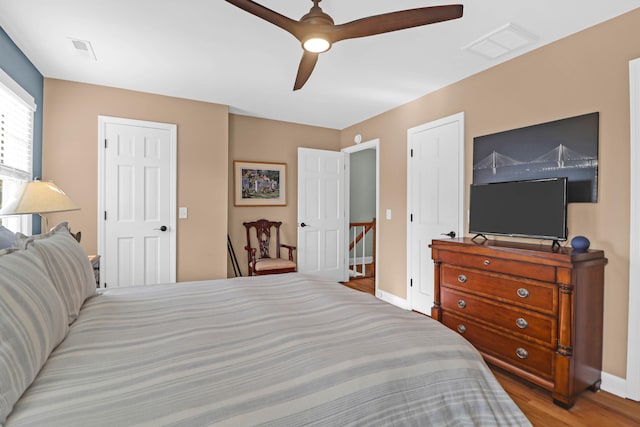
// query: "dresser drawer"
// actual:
[[517, 352], [545, 273], [558, 292], [526, 293], [513, 319]]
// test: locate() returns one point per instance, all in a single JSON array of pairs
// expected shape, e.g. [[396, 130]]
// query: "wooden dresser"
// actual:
[[530, 309]]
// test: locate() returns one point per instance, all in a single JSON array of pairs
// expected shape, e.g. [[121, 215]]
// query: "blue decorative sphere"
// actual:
[[580, 243]]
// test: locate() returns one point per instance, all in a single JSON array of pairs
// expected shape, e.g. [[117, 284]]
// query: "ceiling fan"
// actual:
[[317, 31]]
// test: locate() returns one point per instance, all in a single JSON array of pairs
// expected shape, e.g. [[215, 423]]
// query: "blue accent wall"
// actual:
[[17, 65]]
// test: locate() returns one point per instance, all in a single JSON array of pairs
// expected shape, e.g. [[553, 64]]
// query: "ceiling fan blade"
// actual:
[[394, 21], [307, 64], [287, 24]]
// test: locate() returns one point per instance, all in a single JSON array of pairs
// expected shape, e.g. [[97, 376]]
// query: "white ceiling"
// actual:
[[209, 50]]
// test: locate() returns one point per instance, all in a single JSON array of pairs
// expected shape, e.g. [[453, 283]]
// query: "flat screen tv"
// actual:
[[533, 208]]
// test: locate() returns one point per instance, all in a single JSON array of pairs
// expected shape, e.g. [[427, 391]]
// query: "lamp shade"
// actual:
[[38, 197]]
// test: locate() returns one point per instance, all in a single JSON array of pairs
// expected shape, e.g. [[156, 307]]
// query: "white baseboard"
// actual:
[[614, 385], [392, 299]]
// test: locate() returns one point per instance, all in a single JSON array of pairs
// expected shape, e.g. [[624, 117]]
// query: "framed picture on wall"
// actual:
[[562, 148], [259, 184]]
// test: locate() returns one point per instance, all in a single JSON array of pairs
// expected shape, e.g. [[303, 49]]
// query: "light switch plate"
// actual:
[[183, 213], [388, 213]]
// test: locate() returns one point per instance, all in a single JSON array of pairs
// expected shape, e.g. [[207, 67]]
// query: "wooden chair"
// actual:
[[265, 263]]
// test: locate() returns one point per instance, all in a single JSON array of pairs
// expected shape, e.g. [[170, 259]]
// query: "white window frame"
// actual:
[[21, 223]]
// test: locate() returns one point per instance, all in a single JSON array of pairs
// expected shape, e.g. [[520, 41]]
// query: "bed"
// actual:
[[280, 350]]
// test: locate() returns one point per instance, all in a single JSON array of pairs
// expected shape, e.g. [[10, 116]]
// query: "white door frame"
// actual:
[[375, 145], [458, 117], [633, 327], [103, 121]]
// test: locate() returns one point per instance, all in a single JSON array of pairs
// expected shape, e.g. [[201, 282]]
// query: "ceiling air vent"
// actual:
[[82, 48], [502, 41]]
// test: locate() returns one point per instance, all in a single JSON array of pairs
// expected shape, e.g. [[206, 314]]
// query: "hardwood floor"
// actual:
[[591, 409], [599, 409], [363, 284]]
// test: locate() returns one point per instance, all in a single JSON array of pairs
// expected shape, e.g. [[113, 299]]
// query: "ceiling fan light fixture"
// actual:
[[317, 31], [316, 44]]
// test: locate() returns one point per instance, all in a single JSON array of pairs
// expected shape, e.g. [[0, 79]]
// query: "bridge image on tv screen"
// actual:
[[563, 148]]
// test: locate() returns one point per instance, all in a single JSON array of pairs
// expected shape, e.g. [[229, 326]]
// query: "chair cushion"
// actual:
[[67, 263], [273, 264], [33, 321]]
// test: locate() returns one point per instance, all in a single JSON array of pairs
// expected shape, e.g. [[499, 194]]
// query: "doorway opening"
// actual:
[[363, 199]]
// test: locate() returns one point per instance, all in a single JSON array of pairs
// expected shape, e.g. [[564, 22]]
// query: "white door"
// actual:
[[322, 214], [138, 202], [434, 197]]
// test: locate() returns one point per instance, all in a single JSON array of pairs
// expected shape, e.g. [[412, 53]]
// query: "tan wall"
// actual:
[[262, 140], [584, 73], [70, 158]]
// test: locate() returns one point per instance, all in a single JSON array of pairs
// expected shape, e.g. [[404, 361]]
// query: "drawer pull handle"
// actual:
[[523, 293], [462, 303], [486, 262], [522, 353], [462, 329], [522, 323], [462, 278]]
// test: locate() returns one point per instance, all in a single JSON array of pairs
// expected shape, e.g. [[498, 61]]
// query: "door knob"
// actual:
[[451, 234], [304, 225], [162, 228]]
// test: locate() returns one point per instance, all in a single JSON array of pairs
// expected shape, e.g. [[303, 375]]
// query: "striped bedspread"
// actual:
[[284, 350]]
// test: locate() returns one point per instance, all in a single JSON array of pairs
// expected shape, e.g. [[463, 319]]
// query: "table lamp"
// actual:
[[39, 197]]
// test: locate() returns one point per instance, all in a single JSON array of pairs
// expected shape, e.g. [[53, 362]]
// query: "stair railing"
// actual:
[[360, 232]]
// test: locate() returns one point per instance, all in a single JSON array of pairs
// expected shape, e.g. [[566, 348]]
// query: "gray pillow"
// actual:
[[67, 263], [33, 321], [7, 238]]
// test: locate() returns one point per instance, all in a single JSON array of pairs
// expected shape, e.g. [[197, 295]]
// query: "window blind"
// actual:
[[16, 146], [16, 136]]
